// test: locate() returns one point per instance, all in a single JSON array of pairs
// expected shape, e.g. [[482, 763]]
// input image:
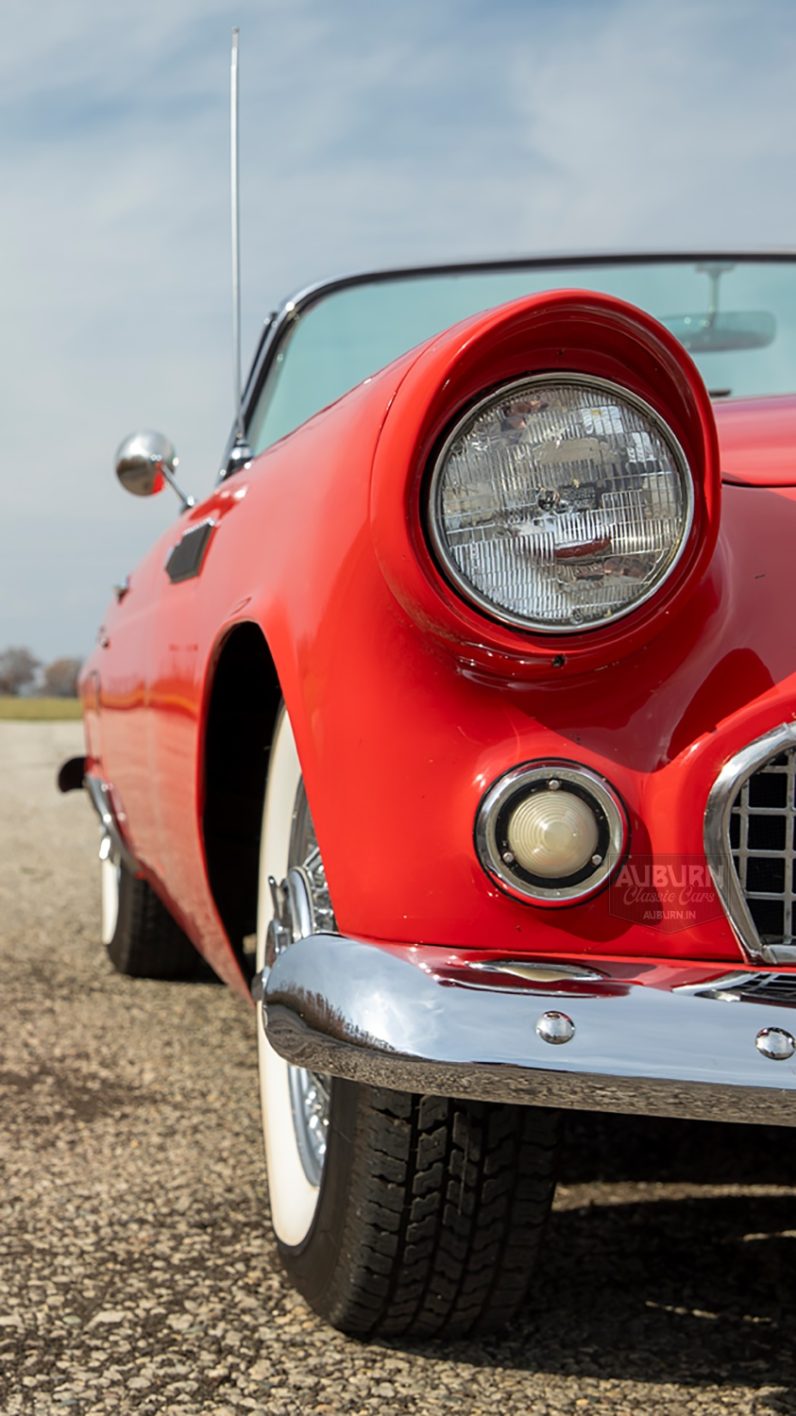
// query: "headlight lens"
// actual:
[[560, 503]]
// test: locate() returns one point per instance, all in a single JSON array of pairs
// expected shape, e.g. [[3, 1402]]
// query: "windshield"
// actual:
[[735, 315]]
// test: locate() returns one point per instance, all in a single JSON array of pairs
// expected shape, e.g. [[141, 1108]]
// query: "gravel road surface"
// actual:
[[137, 1273]]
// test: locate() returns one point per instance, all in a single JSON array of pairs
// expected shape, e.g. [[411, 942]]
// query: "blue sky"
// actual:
[[372, 134]]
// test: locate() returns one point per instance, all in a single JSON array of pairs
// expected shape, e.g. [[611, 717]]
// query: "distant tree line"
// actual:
[[22, 674]]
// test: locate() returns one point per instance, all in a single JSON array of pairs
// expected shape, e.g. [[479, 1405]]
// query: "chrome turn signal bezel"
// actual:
[[491, 842]]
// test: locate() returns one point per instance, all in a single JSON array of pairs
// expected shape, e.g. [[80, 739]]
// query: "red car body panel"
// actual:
[[758, 440], [407, 704]]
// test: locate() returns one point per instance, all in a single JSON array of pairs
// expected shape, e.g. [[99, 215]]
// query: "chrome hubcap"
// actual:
[[302, 906], [309, 1099]]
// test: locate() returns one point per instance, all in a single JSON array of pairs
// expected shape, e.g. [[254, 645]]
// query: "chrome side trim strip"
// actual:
[[100, 798], [409, 1019], [723, 793]]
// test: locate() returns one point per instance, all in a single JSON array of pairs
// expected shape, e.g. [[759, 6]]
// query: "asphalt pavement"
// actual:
[[137, 1271]]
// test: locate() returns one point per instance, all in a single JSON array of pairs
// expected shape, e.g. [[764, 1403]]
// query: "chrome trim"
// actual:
[[398, 1017], [187, 502], [555, 1028], [301, 899], [299, 902], [509, 785], [467, 590], [240, 452], [280, 321], [234, 202], [776, 1044], [309, 1104], [732, 777], [757, 987], [99, 796], [551, 977]]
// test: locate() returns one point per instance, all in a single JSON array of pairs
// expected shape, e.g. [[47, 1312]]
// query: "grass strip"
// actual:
[[33, 710]]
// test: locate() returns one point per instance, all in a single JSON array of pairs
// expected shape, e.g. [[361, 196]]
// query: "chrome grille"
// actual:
[[762, 823], [776, 988]]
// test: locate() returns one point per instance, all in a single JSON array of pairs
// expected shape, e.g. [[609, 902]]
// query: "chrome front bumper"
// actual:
[[666, 1040]]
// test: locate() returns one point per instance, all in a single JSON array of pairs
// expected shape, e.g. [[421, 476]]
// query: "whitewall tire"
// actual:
[[425, 1215], [110, 876], [293, 1195]]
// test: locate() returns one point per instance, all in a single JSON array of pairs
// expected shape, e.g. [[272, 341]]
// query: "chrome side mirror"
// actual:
[[145, 462]]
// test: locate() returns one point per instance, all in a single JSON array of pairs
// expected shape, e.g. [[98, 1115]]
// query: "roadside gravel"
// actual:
[[137, 1273]]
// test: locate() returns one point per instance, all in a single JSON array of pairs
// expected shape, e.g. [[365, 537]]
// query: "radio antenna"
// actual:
[[240, 453]]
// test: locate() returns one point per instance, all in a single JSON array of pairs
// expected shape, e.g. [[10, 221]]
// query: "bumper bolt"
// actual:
[[775, 1043], [555, 1028]]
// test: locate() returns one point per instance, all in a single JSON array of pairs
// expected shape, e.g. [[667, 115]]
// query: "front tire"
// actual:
[[427, 1213]]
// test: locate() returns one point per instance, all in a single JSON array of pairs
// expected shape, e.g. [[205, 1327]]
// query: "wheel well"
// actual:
[[244, 702]]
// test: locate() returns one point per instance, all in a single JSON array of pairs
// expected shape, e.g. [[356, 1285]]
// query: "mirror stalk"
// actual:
[[187, 501]]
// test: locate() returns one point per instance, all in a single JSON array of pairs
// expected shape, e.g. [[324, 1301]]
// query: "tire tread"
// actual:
[[441, 1239]]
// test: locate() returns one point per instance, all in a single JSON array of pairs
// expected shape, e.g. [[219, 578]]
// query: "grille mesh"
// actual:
[[762, 825], [765, 988]]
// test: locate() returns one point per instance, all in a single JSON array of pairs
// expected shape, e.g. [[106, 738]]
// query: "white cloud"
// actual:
[[665, 124]]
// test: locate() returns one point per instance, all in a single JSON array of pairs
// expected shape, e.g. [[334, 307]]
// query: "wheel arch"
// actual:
[[242, 703]]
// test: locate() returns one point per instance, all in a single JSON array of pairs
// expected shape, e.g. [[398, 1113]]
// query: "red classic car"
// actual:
[[468, 692]]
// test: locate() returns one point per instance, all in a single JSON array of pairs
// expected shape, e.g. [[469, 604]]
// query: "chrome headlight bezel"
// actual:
[[433, 518]]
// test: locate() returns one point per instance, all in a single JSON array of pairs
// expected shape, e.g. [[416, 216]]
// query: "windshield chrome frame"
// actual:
[[280, 322]]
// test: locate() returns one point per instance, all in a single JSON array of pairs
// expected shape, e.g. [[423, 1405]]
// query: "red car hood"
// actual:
[[757, 437]]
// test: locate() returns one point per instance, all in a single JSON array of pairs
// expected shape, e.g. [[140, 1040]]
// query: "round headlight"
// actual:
[[560, 503]]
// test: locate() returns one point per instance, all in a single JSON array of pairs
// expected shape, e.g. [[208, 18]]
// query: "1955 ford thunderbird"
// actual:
[[468, 690]]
